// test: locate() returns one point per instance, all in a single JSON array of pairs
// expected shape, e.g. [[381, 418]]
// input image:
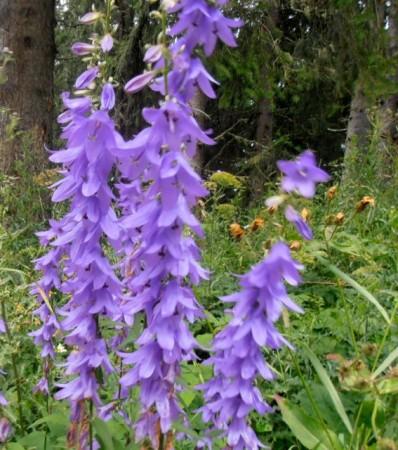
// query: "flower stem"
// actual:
[[15, 370], [91, 431], [311, 398]]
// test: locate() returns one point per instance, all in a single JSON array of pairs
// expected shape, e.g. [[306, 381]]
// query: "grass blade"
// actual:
[[386, 363], [334, 396], [360, 289]]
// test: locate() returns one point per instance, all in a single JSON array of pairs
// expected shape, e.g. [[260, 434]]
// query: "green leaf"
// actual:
[[334, 396], [386, 363], [388, 386], [310, 432], [57, 423], [15, 446], [104, 434], [34, 440], [360, 289]]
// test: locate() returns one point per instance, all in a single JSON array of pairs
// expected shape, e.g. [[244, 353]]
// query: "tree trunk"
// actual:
[[27, 29], [264, 128], [388, 148], [358, 131], [198, 104], [141, 30]]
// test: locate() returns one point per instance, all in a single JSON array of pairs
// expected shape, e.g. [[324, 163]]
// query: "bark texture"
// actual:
[[265, 120], [139, 29], [27, 29], [388, 149], [358, 131]]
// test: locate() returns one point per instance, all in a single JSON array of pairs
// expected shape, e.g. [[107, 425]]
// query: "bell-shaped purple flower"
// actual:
[[302, 175]]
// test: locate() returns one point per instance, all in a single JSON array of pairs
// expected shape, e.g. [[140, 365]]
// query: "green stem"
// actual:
[[91, 431], [166, 65], [386, 333], [311, 398], [15, 370]]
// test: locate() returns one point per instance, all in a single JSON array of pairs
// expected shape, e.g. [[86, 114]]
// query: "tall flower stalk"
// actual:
[[162, 260], [76, 264], [238, 361]]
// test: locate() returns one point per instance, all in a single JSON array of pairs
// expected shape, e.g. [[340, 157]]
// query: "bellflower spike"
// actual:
[[162, 259], [231, 395], [302, 175], [301, 225], [2, 326], [76, 264]]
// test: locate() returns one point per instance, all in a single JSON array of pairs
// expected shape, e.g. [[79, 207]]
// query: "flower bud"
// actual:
[[90, 18], [139, 82], [82, 48]]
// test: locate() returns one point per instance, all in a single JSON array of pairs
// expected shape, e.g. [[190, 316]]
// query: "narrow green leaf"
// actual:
[[307, 430], [360, 289], [386, 363], [334, 396], [104, 434]]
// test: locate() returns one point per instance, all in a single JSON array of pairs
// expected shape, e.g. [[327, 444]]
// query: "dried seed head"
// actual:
[[367, 200], [236, 231], [331, 193]]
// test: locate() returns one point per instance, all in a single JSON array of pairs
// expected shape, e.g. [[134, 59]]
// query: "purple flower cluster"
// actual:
[[160, 190], [76, 264], [301, 176], [231, 395]]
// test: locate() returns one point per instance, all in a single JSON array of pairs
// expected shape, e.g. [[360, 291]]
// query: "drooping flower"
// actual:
[[231, 395], [302, 175], [301, 225]]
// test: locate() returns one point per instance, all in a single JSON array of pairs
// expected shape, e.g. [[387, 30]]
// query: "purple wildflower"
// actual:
[[302, 175], [161, 258], [5, 430], [301, 225], [2, 326], [231, 395]]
